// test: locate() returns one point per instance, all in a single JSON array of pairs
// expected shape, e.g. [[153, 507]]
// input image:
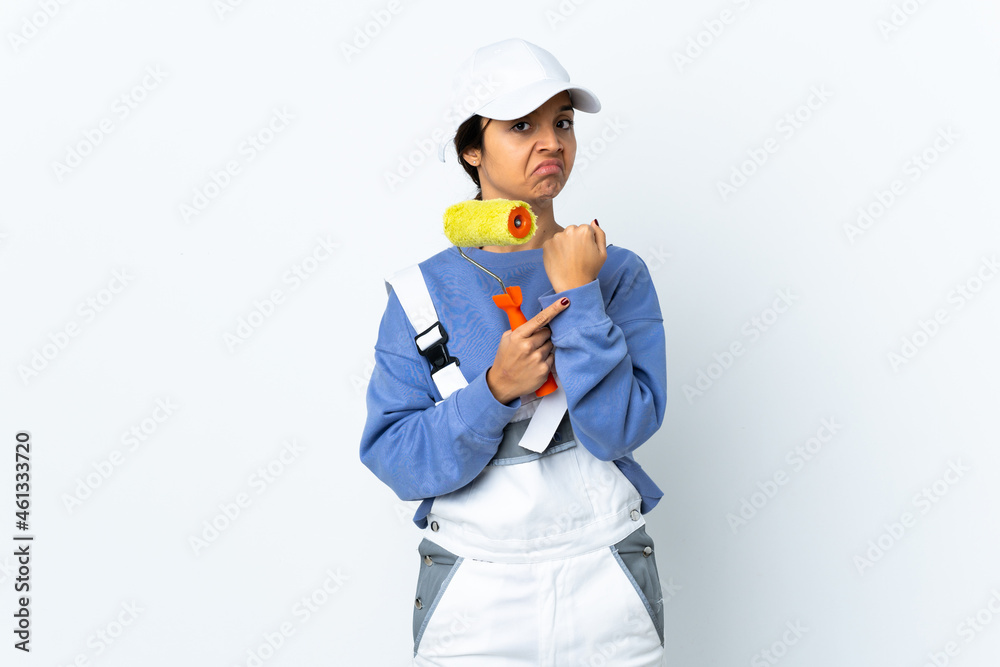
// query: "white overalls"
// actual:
[[543, 559]]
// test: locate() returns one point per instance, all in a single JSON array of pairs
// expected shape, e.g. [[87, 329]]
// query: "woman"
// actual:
[[529, 558]]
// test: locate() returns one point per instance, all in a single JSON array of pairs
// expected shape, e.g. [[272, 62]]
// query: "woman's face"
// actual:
[[514, 152]]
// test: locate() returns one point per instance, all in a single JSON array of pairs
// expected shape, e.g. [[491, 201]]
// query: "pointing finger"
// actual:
[[545, 316]]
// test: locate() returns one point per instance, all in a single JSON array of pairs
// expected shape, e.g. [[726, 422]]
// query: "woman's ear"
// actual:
[[471, 156]]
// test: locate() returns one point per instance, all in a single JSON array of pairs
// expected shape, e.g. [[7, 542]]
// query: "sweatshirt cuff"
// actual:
[[586, 307], [482, 413]]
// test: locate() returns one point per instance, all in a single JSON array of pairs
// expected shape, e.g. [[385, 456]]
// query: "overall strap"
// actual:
[[431, 338]]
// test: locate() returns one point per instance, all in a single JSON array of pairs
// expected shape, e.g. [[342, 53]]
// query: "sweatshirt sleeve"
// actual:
[[612, 362], [418, 448]]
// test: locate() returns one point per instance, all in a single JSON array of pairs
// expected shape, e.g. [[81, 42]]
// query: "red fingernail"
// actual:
[[564, 301], [596, 222]]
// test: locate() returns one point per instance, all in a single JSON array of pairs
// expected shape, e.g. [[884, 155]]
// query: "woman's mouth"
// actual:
[[548, 167]]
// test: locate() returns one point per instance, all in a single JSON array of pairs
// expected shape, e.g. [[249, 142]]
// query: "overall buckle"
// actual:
[[431, 344]]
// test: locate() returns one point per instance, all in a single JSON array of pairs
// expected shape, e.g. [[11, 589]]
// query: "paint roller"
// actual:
[[502, 222]]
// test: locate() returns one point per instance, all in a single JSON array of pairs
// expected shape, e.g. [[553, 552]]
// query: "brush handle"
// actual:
[[510, 303]]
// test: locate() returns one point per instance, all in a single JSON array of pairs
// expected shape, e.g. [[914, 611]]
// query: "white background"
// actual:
[[673, 131]]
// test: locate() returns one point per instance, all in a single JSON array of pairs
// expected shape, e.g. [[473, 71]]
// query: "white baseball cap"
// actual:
[[506, 80]]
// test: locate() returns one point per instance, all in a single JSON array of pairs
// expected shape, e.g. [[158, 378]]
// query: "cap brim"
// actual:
[[531, 97]]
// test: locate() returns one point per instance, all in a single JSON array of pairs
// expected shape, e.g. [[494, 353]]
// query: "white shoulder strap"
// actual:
[[411, 290]]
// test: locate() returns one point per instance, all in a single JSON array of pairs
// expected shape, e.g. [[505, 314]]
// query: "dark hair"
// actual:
[[470, 135]]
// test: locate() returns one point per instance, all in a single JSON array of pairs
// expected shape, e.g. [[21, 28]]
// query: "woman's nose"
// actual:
[[548, 138]]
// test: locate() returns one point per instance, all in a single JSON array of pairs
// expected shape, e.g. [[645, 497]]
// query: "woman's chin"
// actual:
[[548, 189]]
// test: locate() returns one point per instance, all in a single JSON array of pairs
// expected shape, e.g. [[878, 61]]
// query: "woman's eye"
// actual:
[[524, 122]]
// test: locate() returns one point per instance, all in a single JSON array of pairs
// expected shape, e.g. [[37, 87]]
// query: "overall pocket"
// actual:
[[635, 555], [437, 567]]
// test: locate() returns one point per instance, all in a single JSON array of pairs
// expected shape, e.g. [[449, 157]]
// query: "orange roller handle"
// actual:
[[510, 303]]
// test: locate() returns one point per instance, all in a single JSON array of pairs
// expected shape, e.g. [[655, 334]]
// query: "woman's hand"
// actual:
[[574, 256], [524, 357]]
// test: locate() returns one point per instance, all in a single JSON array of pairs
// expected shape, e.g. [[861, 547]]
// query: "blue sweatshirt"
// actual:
[[610, 358]]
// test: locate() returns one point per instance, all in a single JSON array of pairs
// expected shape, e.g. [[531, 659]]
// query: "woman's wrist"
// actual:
[[572, 283], [496, 390]]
